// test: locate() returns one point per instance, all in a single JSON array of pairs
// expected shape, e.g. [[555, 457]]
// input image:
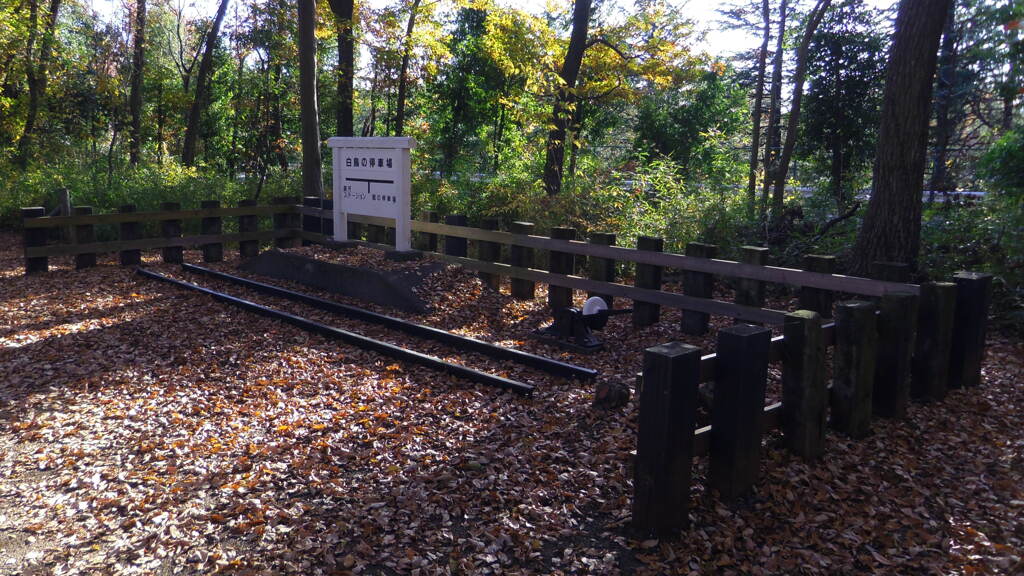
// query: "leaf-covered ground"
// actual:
[[149, 430]]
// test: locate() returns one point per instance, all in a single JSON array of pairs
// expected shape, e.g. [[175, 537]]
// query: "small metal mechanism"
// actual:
[[574, 328]]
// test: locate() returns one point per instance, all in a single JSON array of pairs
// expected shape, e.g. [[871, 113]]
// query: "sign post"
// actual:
[[372, 178]]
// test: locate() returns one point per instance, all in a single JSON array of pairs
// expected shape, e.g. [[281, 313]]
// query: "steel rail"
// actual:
[[546, 364], [352, 338]]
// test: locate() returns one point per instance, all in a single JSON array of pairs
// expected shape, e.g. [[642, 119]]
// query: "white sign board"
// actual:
[[372, 178]]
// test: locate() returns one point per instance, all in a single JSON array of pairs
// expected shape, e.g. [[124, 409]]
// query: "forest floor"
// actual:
[[145, 429]]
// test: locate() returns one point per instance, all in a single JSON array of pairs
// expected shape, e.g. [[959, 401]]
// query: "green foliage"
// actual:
[[695, 125]]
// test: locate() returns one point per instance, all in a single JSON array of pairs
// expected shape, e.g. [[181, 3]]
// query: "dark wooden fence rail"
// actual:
[[129, 225]]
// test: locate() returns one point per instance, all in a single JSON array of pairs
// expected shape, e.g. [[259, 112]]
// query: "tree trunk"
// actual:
[[555, 159], [774, 135], [309, 112], [188, 149], [343, 13], [1010, 92], [138, 66], [35, 70], [939, 181], [403, 75], [756, 112], [892, 224], [160, 123], [793, 126]]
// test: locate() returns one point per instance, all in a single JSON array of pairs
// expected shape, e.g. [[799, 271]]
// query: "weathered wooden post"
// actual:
[[211, 226], [664, 447], [929, 376], [129, 232], [327, 222], [453, 245], [248, 224], [171, 229], [750, 292], [853, 375], [603, 269], [700, 285], [818, 299], [286, 221], [310, 223], [897, 329], [560, 263], [804, 391], [738, 409], [973, 294], [489, 252], [431, 238], [84, 234], [522, 257], [648, 276], [35, 238]]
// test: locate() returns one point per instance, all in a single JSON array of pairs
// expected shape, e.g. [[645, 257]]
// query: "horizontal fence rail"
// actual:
[[774, 274]]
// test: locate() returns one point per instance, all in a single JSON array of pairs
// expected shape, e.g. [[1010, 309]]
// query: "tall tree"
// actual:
[[309, 112], [564, 101], [36, 71], [756, 111], [891, 230], [135, 97], [403, 74], [945, 83], [344, 10], [782, 169], [199, 101], [773, 137]]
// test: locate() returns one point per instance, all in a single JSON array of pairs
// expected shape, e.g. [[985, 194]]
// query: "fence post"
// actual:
[[664, 446], [738, 409], [171, 229], [896, 332], [853, 374], [130, 231], [560, 263], [929, 379], [35, 238], [286, 221], [310, 223], [453, 245], [489, 252], [603, 269], [700, 285], [84, 234], [327, 221], [973, 294], [804, 392], [211, 226], [818, 299], [647, 276], [750, 292], [522, 257], [248, 224]]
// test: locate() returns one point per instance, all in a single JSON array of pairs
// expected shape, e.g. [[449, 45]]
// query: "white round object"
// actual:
[[594, 305]]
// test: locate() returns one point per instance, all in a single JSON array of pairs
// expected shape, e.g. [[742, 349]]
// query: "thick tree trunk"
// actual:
[[793, 126], [945, 81], [36, 73], [892, 224], [403, 75], [756, 112], [135, 98], [309, 111], [188, 149], [343, 13], [555, 159], [773, 138]]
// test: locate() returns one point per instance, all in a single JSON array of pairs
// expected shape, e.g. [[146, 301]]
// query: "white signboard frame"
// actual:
[[372, 178]]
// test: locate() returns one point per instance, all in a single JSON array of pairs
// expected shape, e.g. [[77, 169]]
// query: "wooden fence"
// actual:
[[893, 342]]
